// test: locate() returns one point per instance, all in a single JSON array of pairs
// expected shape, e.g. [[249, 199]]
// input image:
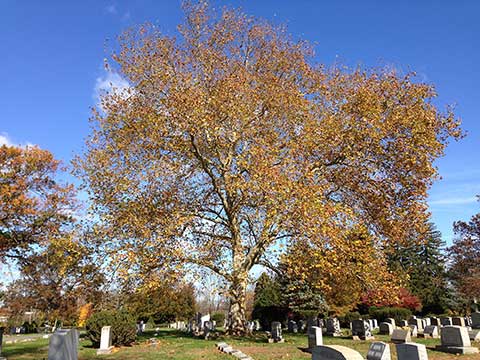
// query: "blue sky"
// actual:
[[52, 54]]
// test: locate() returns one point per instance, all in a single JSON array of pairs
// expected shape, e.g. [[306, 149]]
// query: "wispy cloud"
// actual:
[[110, 83], [111, 9], [5, 139], [454, 201]]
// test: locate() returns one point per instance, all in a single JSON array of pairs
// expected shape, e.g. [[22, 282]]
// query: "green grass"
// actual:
[[173, 345]]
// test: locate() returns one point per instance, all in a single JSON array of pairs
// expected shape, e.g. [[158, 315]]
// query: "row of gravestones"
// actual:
[[377, 351], [201, 325]]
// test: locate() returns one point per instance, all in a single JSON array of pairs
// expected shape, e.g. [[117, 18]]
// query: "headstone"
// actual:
[[446, 321], [292, 326], [257, 325], [417, 322], [401, 336], [427, 322], [458, 321], [413, 329], [361, 328], [333, 327], [475, 320], [375, 324], [63, 345], [315, 337], [431, 331], [203, 319], [474, 335], [403, 323], [435, 321], [105, 341], [411, 351], [335, 352], [277, 332], [302, 325], [379, 351], [2, 329], [390, 321], [386, 328], [455, 340]]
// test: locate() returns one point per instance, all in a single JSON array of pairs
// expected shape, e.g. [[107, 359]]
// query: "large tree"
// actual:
[[230, 141], [424, 262], [34, 206], [464, 256], [56, 280]]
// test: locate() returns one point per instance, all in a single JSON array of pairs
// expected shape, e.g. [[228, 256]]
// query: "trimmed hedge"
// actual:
[[124, 328], [382, 313]]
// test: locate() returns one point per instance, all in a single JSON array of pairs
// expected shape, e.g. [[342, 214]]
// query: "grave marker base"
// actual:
[[105, 351], [457, 350]]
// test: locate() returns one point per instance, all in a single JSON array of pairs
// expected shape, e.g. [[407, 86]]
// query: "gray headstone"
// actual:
[[458, 321], [335, 352], [403, 323], [417, 322], [474, 335], [411, 351], [2, 329], [386, 328], [431, 330], [414, 330], [276, 331], [63, 345], [435, 321], [456, 340], [361, 328], [315, 337], [333, 327], [391, 321], [401, 336], [379, 351], [475, 320], [455, 336], [446, 321]]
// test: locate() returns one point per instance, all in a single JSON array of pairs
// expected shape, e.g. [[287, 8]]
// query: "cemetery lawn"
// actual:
[[173, 345]]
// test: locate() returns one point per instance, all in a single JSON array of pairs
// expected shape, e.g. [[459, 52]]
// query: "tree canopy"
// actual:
[[34, 206], [230, 140]]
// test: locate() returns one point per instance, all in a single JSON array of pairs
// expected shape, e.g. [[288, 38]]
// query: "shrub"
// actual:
[[349, 317], [123, 327], [382, 313], [30, 327], [219, 318]]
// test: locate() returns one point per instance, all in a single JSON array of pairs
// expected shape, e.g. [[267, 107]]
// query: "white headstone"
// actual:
[[105, 341], [411, 351], [335, 352]]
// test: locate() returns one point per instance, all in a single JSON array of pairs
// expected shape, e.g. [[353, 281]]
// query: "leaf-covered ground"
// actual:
[[172, 345]]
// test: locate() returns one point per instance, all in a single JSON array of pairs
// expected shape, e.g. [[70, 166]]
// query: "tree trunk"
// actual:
[[236, 324]]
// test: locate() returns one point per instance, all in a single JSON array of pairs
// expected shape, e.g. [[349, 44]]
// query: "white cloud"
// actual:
[[454, 201], [111, 9], [5, 139], [110, 83]]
